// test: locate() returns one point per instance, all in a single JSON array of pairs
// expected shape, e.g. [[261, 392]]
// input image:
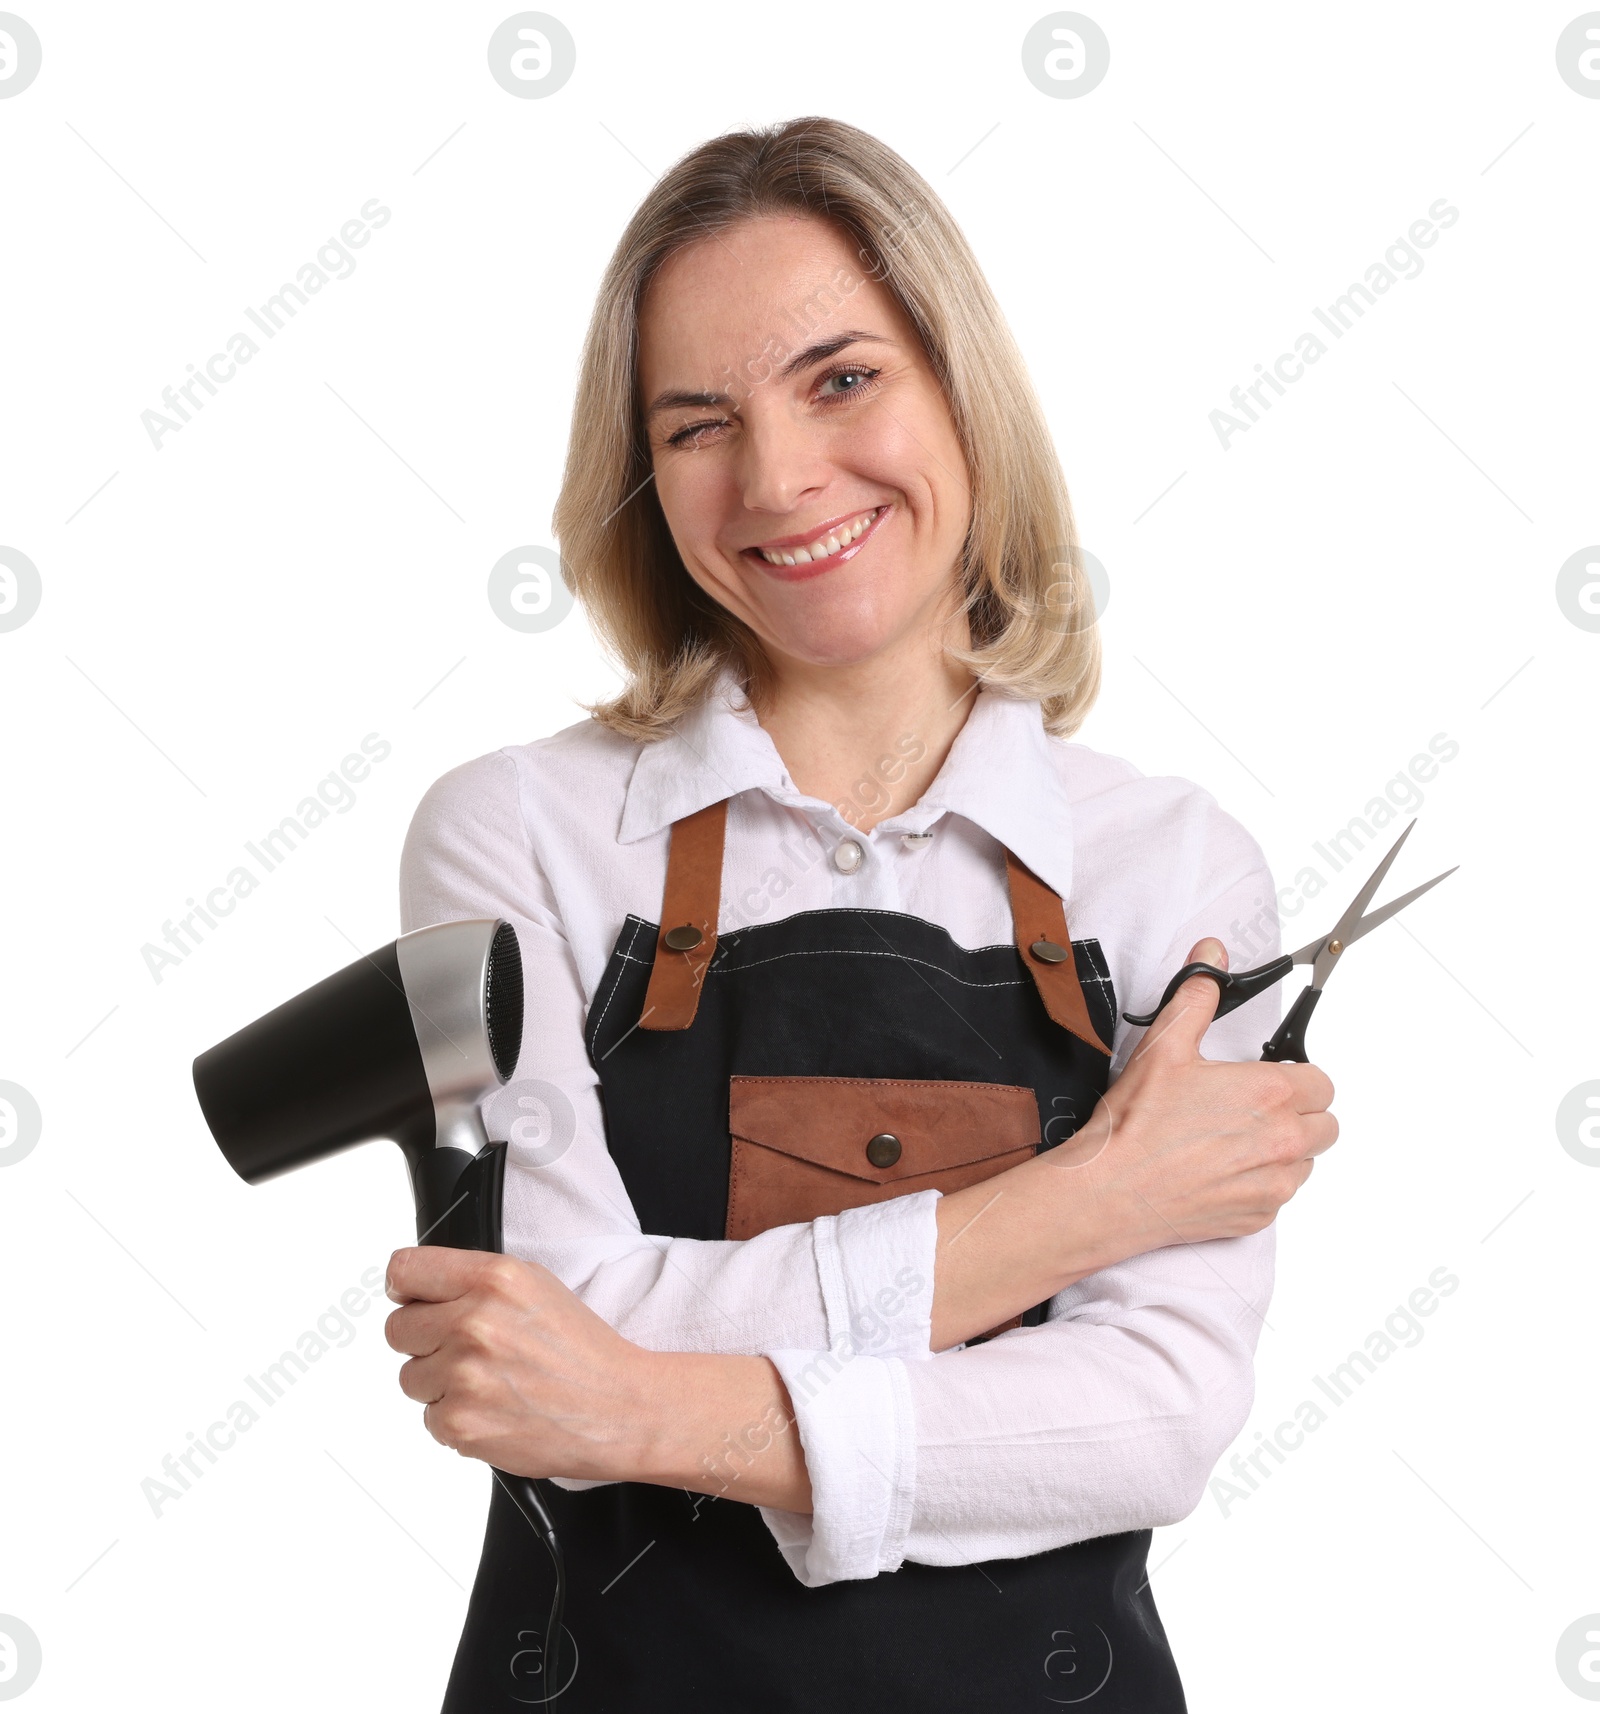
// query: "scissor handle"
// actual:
[[1289, 1039], [1234, 988]]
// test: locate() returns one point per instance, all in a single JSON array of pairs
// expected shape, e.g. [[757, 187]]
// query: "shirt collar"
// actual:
[[1002, 774]]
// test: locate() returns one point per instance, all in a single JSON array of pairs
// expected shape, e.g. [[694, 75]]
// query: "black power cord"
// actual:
[[525, 1496]]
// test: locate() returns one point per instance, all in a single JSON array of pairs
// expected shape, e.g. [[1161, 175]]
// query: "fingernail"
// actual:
[[1210, 951]]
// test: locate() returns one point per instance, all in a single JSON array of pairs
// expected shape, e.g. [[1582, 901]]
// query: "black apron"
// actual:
[[681, 1601]]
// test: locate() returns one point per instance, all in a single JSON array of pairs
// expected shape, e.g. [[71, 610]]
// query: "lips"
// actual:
[[820, 549]]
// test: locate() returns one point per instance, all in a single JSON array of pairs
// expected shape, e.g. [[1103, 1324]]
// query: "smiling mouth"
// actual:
[[831, 546]]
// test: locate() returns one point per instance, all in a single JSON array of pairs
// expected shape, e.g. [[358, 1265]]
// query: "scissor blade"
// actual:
[[1317, 953], [1378, 917], [1342, 930]]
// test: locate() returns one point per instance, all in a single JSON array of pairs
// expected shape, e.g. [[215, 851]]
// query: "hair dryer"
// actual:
[[403, 1044]]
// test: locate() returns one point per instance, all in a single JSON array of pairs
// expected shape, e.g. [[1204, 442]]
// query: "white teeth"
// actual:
[[822, 548]]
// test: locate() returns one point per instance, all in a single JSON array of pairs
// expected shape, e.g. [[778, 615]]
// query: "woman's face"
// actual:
[[804, 453]]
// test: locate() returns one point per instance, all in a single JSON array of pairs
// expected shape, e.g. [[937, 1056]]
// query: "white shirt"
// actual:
[[1107, 1417]]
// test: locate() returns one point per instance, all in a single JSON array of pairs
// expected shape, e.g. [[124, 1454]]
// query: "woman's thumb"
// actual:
[[1188, 1014], [1208, 951]]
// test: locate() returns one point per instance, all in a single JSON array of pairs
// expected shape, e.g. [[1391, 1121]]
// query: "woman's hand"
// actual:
[[514, 1369], [1178, 1150], [1181, 1149]]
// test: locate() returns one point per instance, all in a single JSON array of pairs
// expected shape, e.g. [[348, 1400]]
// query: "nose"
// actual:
[[781, 459]]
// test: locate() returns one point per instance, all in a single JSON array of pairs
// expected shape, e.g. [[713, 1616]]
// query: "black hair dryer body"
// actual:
[[403, 1044]]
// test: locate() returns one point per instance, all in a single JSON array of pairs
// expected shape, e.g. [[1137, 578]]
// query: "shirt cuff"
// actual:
[[853, 1415], [875, 1266]]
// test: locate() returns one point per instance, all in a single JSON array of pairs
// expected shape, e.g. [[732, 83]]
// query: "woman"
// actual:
[[794, 911]]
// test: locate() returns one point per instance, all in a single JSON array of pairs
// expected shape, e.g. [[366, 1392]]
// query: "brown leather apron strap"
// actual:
[[688, 938], [1039, 922]]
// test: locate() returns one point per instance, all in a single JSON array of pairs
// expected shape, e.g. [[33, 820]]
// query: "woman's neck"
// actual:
[[869, 737]]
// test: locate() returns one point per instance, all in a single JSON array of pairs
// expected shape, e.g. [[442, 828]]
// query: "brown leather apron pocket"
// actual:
[[808, 1146]]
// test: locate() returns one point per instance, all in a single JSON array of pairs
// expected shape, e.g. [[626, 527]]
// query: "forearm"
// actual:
[[1141, 1386], [1016, 1240], [996, 1249], [905, 1276], [1107, 1419], [719, 1425], [992, 1250]]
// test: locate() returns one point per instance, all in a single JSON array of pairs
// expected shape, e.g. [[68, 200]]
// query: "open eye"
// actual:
[[860, 378]]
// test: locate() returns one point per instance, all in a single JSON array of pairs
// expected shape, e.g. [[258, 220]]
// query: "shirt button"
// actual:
[[847, 857], [916, 841]]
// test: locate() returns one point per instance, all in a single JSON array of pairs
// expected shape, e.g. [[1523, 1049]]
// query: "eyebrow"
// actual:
[[818, 353]]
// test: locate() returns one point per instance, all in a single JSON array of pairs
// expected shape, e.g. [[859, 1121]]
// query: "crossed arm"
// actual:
[[782, 1372], [515, 1369]]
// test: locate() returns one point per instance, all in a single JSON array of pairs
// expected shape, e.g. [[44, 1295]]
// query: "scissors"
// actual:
[[1290, 1040]]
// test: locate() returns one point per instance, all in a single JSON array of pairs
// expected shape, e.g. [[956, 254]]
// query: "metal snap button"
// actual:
[[847, 857], [684, 938], [1048, 952], [884, 1149]]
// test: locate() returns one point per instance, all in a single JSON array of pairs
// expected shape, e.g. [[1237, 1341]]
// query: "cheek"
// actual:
[[694, 499], [689, 494], [917, 452]]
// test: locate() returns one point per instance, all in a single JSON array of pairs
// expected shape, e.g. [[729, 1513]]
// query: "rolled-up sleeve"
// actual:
[[855, 1420]]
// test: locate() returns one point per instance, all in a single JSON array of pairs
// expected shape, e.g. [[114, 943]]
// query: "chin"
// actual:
[[840, 640], [839, 626]]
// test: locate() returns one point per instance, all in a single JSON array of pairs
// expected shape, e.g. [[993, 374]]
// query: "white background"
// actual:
[[223, 619]]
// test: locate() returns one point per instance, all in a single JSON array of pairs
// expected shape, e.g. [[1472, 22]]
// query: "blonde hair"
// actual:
[[1029, 610]]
